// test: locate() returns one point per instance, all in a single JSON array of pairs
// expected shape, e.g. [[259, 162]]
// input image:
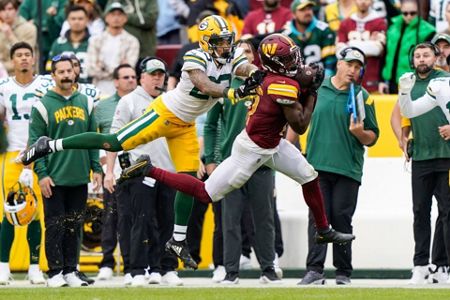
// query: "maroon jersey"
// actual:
[[266, 120], [367, 34], [260, 22]]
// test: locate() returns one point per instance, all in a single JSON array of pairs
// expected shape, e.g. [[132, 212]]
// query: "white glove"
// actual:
[[26, 177], [406, 82], [148, 181]]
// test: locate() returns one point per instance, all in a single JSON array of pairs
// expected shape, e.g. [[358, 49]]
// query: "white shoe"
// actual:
[[147, 273], [35, 275], [419, 275], [139, 281], [105, 273], [127, 279], [154, 278], [245, 263], [439, 276], [219, 274], [5, 274], [74, 281], [277, 268], [171, 278], [57, 281]]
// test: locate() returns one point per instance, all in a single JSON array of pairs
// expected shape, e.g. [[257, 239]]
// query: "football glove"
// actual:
[[248, 88], [319, 76], [26, 177], [406, 82]]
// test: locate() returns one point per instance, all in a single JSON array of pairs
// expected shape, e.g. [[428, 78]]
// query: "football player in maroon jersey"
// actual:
[[280, 101]]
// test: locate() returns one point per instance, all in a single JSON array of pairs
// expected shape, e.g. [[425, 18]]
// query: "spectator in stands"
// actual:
[[257, 192], [267, 19], [113, 47], [338, 11], [335, 148], [442, 41], [429, 173], [95, 23], [406, 30], [125, 82], [63, 178], [168, 27], [142, 16], [366, 31], [151, 202], [76, 40], [52, 17], [13, 28], [315, 39]]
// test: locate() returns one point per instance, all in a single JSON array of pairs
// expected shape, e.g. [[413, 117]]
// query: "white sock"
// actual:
[[179, 233], [56, 145]]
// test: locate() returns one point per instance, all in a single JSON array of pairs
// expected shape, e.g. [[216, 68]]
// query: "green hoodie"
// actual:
[[57, 117], [405, 43]]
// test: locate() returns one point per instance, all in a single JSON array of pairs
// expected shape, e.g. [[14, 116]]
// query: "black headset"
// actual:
[[143, 62], [349, 49], [429, 45]]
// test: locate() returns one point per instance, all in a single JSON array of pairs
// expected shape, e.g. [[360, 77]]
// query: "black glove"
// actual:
[[319, 76], [248, 88]]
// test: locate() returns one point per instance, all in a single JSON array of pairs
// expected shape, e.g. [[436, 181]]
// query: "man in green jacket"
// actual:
[[63, 177], [406, 30], [142, 16]]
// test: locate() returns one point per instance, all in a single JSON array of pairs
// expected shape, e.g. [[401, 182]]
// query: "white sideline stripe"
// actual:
[[42, 110], [135, 125]]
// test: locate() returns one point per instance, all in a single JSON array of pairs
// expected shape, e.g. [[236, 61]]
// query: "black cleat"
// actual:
[[269, 276], [181, 250], [39, 149], [332, 236], [83, 277], [141, 168]]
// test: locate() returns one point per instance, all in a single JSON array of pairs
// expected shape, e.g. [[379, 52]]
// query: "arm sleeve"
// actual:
[[210, 132], [370, 122], [427, 102], [25, 9], [38, 128]]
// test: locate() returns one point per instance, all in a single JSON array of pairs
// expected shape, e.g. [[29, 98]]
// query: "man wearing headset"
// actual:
[[430, 161], [150, 203], [335, 149]]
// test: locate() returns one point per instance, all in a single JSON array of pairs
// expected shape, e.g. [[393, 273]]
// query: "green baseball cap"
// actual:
[[300, 4]]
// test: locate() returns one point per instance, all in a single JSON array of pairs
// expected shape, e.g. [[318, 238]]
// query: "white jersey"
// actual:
[[186, 101], [437, 11], [437, 94], [16, 101], [87, 89]]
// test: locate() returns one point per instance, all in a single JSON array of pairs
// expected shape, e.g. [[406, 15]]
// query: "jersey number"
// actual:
[[13, 99]]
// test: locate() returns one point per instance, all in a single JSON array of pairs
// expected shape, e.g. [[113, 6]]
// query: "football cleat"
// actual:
[[181, 250], [141, 168], [332, 236], [39, 149]]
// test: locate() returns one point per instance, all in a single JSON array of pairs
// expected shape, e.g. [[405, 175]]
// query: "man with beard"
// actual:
[[75, 40], [314, 37], [365, 30], [430, 163], [442, 41], [267, 19], [63, 178]]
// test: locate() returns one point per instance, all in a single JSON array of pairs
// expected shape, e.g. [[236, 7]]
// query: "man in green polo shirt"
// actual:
[[125, 82], [335, 149]]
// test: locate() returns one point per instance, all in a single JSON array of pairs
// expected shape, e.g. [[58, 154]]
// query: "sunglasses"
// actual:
[[411, 13], [128, 77]]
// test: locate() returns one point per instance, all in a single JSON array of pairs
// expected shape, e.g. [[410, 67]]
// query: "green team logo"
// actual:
[[203, 25]]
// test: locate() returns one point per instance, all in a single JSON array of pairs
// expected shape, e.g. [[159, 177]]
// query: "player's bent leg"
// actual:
[[289, 161]]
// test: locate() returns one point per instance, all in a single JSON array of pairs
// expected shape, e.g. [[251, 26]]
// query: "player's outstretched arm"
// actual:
[[201, 81], [409, 108]]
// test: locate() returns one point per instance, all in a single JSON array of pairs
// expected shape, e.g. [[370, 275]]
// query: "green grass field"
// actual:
[[222, 293]]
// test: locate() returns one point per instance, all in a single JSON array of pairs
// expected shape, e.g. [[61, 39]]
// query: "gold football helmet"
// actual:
[[21, 205], [216, 37]]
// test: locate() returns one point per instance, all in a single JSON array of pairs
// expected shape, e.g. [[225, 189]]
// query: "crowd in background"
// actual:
[[115, 43]]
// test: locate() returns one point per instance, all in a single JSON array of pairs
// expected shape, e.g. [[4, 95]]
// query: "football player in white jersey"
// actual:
[[206, 76], [16, 99], [437, 95], [87, 89]]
